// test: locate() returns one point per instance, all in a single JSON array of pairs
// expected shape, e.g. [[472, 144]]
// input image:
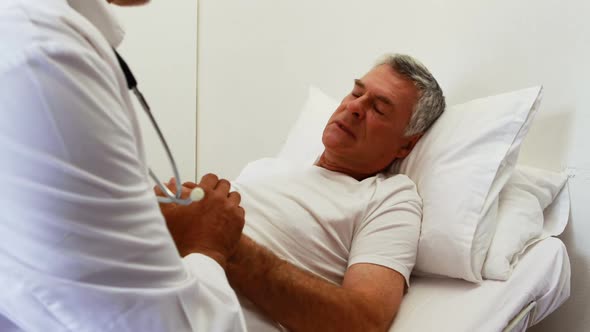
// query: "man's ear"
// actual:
[[407, 148]]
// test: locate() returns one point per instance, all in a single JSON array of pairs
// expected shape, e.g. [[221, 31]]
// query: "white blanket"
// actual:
[[543, 275]]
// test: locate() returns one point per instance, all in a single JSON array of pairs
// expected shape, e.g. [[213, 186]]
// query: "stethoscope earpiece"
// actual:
[[197, 194]]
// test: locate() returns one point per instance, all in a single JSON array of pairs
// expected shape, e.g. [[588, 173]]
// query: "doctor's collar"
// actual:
[[99, 13]]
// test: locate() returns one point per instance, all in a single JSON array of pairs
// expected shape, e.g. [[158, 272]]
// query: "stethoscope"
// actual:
[[197, 193]]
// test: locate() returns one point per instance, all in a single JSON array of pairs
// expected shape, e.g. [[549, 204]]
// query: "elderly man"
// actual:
[[330, 247]]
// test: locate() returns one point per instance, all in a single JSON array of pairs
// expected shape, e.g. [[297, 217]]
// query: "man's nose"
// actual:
[[357, 108]]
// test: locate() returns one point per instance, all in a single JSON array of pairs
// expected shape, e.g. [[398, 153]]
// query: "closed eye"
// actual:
[[357, 90], [377, 110]]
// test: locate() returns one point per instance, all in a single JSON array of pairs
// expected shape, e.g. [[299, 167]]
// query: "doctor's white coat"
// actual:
[[83, 245]]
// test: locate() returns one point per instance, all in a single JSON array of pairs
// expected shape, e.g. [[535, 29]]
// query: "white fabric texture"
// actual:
[[83, 244], [528, 193], [323, 221], [452, 305], [459, 167]]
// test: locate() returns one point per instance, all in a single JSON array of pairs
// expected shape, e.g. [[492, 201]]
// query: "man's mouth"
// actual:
[[344, 128]]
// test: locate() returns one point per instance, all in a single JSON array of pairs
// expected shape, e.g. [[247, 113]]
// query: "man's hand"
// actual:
[[212, 226]]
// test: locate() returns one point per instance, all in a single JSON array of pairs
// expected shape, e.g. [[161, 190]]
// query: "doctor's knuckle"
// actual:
[[210, 176], [217, 196]]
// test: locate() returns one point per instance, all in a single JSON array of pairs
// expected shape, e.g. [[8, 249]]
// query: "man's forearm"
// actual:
[[295, 298]]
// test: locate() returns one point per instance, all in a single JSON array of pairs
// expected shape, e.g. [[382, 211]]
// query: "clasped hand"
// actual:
[[212, 226]]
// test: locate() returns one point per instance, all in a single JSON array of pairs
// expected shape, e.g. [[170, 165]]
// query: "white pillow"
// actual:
[[521, 220], [460, 166], [304, 143]]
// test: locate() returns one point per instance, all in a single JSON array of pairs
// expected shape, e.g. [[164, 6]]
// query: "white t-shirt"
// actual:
[[83, 244], [324, 221]]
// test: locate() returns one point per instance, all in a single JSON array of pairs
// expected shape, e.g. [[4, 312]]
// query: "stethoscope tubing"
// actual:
[[197, 194]]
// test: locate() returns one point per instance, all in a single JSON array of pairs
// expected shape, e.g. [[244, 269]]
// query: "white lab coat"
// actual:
[[83, 245]]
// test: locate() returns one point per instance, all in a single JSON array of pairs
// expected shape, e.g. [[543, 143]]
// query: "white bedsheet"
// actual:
[[432, 304]]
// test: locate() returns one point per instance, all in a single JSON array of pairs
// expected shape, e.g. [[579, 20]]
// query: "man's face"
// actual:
[[366, 132], [128, 2]]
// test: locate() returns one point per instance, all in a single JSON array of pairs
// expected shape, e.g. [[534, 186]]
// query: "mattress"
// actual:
[[539, 284]]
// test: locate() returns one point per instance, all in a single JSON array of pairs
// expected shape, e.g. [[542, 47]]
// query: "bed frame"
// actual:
[[516, 324]]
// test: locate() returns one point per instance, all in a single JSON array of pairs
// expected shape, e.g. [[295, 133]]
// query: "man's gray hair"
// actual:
[[431, 101]]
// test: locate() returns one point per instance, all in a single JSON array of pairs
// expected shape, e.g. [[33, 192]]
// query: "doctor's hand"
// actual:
[[212, 226]]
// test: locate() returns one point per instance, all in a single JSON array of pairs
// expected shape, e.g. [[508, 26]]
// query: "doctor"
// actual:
[[84, 245]]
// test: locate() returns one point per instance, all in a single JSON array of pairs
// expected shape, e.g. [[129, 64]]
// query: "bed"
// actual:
[[493, 242], [539, 284]]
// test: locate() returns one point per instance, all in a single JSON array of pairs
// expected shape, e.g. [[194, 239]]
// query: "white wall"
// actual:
[[257, 58], [161, 48]]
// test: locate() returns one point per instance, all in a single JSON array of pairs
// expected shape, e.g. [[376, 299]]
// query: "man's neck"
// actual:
[[330, 164]]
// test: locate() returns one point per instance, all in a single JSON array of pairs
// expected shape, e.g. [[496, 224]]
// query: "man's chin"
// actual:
[[339, 151], [337, 139]]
